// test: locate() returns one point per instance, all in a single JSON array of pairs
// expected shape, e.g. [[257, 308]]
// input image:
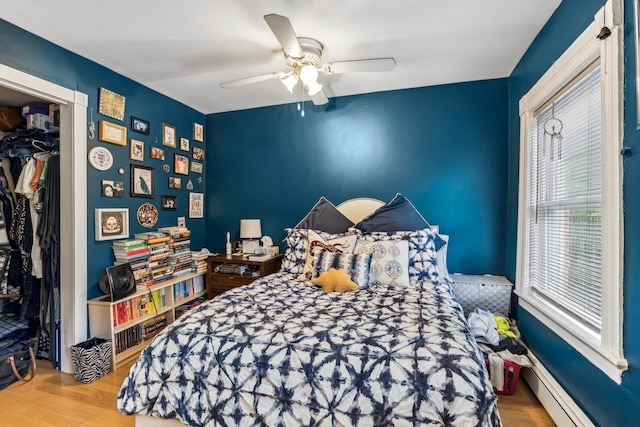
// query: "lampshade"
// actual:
[[250, 229], [290, 82]]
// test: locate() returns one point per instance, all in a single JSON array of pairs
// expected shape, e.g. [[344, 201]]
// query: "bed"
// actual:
[[281, 352]]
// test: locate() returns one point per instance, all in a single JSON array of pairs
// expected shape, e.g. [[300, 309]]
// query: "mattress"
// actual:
[[282, 352]]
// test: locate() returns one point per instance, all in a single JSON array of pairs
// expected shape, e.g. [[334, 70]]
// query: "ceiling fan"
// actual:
[[302, 56]]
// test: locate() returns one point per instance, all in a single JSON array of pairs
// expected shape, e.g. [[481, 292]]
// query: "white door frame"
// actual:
[[73, 202]]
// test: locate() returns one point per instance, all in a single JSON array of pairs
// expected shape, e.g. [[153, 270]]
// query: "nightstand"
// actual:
[[220, 281]]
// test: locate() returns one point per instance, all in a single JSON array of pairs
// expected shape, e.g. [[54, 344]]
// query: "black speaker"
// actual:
[[118, 282]]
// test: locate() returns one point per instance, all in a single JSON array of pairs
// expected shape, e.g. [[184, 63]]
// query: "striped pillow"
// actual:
[[356, 265]]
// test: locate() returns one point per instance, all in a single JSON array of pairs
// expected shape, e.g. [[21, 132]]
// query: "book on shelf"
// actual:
[[129, 243]]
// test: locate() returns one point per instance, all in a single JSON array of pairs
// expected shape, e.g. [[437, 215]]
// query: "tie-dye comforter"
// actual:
[[281, 353]]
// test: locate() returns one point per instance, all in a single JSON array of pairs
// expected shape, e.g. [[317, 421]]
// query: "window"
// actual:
[[569, 217]]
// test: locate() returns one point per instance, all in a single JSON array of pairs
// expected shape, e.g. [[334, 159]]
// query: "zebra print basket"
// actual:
[[91, 359]]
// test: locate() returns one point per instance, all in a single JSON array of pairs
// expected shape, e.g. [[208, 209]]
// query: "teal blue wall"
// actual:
[[25, 52], [442, 147], [607, 404]]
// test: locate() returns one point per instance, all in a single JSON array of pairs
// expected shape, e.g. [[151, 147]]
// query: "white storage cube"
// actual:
[[490, 293]]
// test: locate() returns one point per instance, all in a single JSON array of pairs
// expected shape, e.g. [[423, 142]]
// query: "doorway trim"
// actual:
[[73, 202]]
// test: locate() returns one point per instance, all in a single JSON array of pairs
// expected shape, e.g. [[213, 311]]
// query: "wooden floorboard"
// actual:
[[56, 399]]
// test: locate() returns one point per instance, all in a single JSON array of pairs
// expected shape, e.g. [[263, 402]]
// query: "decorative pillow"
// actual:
[[315, 242], [356, 265], [389, 261], [324, 216], [335, 281], [397, 215], [441, 257], [423, 263], [295, 244]]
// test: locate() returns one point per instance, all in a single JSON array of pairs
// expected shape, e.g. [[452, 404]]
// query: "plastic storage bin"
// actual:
[[511, 374], [490, 293]]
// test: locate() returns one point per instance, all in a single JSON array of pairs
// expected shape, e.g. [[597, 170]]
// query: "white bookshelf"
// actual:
[[101, 313]]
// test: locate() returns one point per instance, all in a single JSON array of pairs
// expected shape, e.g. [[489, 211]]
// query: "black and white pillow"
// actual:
[[357, 266], [296, 248], [389, 261], [423, 262]]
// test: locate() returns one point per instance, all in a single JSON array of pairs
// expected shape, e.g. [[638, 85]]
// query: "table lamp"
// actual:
[[250, 231]]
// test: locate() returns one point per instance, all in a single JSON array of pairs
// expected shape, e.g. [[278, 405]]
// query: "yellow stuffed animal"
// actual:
[[334, 280]]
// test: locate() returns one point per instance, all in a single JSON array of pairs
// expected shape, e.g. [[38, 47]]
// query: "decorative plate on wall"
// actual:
[[147, 215], [100, 158]]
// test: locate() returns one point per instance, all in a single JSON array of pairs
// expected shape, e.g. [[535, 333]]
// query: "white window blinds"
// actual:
[[564, 231]]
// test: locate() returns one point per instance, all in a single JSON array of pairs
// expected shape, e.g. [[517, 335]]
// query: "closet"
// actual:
[[29, 225]]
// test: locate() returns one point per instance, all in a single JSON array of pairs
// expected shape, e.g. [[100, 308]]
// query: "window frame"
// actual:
[[604, 350]]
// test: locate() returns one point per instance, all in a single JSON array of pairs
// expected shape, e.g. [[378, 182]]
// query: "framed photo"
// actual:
[[198, 153], [112, 188], [184, 144], [175, 182], [169, 203], [137, 150], [140, 126], [142, 181], [111, 104], [113, 133], [168, 135], [112, 223], [196, 167], [196, 205], [157, 153], [180, 164], [182, 222], [198, 132]]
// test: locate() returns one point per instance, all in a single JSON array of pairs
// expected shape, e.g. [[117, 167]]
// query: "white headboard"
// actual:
[[359, 208]]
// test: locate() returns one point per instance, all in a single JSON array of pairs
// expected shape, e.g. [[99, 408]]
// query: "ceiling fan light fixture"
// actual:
[[314, 88], [309, 75], [290, 82]]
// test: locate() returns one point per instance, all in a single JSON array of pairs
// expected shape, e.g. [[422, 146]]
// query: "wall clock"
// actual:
[[100, 158]]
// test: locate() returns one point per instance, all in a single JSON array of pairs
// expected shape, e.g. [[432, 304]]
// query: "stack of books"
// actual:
[[136, 253], [179, 249], [159, 251], [199, 261], [152, 326]]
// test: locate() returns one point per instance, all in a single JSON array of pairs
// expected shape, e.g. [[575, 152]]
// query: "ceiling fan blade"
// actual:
[[249, 80], [319, 98], [282, 29], [360, 66]]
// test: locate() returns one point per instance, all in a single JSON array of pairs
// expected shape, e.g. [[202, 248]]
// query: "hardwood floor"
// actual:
[[56, 399]]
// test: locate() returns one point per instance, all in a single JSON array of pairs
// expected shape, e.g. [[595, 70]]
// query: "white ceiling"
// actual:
[[185, 49]]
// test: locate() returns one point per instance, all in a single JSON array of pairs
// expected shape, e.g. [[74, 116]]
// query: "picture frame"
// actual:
[[198, 153], [113, 133], [198, 132], [168, 135], [175, 182], [111, 104], [111, 223], [184, 144], [156, 153], [136, 151], [196, 205], [180, 164], [112, 188], [142, 181], [139, 125], [196, 167], [169, 203]]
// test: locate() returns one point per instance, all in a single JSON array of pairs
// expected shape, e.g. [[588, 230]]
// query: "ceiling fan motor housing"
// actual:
[[311, 50]]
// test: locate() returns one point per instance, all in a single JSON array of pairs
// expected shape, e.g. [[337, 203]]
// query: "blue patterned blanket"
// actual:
[[279, 353]]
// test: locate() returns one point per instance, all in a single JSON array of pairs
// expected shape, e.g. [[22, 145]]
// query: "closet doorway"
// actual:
[[73, 200]]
